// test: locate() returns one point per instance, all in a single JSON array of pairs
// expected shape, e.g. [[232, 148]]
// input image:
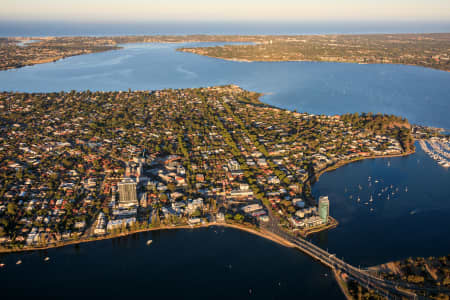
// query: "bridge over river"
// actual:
[[389, 289]]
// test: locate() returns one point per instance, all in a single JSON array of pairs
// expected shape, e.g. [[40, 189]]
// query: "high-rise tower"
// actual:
[[127, 192], [324, 208]]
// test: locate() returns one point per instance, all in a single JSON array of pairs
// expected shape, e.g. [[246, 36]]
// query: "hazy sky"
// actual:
[[228, 10]]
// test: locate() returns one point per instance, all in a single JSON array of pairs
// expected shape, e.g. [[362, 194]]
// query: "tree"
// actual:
[[239, 218], [12, 209], [197, 213], [171, 187]]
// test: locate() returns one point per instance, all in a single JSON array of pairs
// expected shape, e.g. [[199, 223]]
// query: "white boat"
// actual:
[[371, 198], [358, 199], [2, 265], [406, 189], [18, 262], [149, 242], [47, 258]]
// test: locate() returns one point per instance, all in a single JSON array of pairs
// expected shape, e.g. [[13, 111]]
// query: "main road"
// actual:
[[389, 289]]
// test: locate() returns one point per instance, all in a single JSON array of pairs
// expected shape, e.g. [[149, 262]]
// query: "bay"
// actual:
[[206, 263], [417, 93], [412, 222], [187, 264]]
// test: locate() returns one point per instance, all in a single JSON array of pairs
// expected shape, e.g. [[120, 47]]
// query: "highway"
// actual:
[[389, 289]]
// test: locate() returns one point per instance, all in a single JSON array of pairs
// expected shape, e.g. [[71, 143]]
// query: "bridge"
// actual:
[[389, 289]]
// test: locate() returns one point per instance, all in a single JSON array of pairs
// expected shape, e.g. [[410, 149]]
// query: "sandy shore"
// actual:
[[342, 284], [260, 232], [316, 177]]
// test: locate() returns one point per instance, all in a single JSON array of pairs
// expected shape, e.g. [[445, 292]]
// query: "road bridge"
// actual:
[[387, 288]]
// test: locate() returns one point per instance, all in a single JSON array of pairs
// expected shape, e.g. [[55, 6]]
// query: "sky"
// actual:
[[229, 10]]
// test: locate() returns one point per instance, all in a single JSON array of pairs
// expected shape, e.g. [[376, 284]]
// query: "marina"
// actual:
[[438, 149], [366, 227]]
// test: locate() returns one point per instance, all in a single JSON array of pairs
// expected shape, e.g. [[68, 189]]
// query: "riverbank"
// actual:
[[269, 60], [256, 231], [332, 223], [342, 282], [316, 177]]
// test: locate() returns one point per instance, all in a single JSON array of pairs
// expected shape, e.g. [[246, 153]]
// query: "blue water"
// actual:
[[420, 94], [413, 222], [187, 264], [213, 263]]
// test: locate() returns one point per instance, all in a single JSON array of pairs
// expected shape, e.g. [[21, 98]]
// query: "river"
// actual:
[[233, 264]]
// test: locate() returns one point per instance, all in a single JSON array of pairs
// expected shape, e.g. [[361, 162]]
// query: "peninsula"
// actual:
[[83, 166], [431, 274], [78, 165], [427, 50]]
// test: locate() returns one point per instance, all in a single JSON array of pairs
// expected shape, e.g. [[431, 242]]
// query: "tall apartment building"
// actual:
[[127, 192], [324, 208]]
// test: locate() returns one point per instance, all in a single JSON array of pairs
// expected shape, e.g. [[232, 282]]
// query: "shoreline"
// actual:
[[121, 46], [301, 60], [342, 284], [333, 223], [262, 233], [336, 166]]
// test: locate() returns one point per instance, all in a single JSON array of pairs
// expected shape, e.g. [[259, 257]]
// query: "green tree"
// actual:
[[12, 209], [238, 218]]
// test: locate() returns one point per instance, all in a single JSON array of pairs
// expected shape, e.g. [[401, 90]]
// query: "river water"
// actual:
[[229, 263]]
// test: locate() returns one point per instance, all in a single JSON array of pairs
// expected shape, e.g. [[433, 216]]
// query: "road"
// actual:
[[389, 289]]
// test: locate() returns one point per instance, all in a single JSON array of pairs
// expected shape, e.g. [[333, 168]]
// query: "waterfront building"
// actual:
[[127, 192], [100, 225], [324, 208]]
